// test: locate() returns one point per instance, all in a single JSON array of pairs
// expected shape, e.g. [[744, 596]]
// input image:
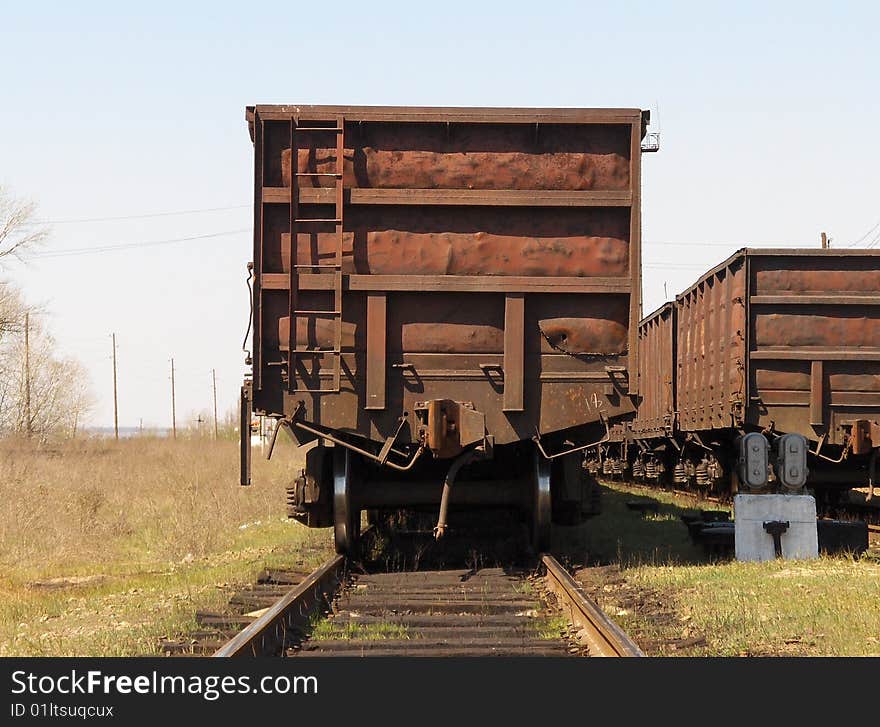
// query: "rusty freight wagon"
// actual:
[[776, 341], [443, 294]]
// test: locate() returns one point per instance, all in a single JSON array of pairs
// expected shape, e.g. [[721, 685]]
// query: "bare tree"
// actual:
[[50, 395], [57, 389], [81, 400], [12, 310], [19, 230]]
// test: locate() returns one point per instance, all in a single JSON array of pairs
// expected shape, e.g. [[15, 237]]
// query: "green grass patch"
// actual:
[[551, 627], [628, 538], [674, 600], [328, 629], [827, 607], [524, 587]]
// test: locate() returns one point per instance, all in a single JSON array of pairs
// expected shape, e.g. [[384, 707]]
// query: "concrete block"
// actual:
[[755, 543]]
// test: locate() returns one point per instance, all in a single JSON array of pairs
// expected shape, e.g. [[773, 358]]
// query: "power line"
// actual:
[[874, 241], [80, 220], [725, 244], [115, 404], [27, 375], [867, 233], [129, 245], [214, 379], [673, 266], [173, 403]]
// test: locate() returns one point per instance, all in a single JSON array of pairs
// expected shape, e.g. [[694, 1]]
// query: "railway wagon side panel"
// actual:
[[814, 319], [711, 349], [655, 415], [488, 256]]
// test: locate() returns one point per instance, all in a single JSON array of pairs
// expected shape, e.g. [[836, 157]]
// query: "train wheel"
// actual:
[[541, 507], [346, 519]]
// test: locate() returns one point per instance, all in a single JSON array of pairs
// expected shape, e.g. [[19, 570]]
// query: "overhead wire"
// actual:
[[147, 215], [129, 245], [737, 245], [863, 237]]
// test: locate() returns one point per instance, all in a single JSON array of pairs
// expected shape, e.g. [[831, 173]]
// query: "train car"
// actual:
[[775, 341], [443, 294]]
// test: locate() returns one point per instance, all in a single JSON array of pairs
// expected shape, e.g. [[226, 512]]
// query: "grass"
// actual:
[[327, 629], [626, 538], [107, 547], [551, 627], [523, 587], [675, 600], [827, 607]]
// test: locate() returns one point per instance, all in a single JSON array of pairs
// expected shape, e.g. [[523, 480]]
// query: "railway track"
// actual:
[[463, 612]]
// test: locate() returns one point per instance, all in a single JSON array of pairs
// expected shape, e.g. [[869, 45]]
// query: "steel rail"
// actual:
[[603, 636], [267, 635]]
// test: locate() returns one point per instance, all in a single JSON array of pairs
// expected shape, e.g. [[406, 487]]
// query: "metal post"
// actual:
[[115, 403], [28, 424], [173, 404], [214, 380]]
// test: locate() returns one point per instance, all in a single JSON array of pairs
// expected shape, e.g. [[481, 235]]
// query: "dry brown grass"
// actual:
[[106, 546], [148, 497]]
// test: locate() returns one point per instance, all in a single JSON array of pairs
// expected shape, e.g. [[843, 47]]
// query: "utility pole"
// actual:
[[825, 241], [28, 425], [173, 404], [214, 380], [115, 401]]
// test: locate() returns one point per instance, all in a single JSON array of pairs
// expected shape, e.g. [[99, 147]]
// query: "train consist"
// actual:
[[773, 342], [446, 306]]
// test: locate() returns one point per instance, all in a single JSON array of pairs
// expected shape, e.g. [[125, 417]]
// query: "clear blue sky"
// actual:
[[768, 115]]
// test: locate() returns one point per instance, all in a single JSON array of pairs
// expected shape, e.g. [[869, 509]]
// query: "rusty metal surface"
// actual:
[[499, 250], [602, 635], [655, 416], [440, 348], [266, 636], [389, 155], [710, 349], [422, 323], [788, 337], [472, 241], [865, 436]]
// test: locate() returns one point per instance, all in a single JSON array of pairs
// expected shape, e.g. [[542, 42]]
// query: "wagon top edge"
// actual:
[[657, 312], [442, 114], [780, 252], [433, 112]]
